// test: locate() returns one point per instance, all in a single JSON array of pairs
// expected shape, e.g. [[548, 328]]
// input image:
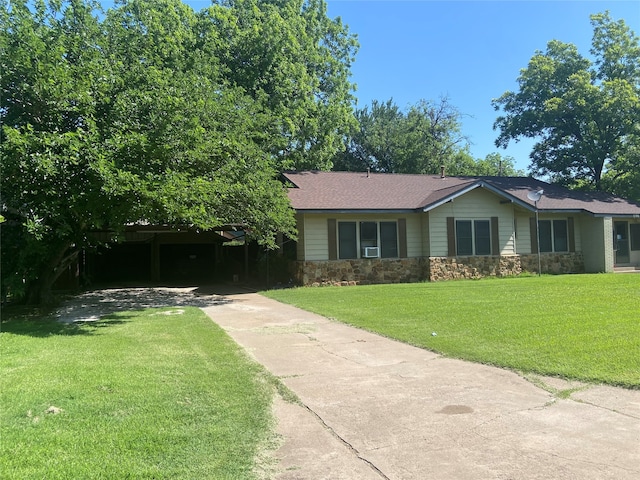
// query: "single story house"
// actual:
[[383, 228]]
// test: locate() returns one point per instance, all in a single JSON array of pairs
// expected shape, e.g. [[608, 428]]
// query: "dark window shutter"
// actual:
[[333, 244], [572, 238], [495, 237], [533, 228], [451, 237], [402, 237]]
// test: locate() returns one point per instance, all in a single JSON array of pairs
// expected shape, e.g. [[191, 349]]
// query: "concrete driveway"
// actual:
[[373, 408]]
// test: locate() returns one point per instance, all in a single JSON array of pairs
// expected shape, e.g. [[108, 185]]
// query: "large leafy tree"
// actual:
[[388, 139], [295, 61], [134, 115], [585, 114]]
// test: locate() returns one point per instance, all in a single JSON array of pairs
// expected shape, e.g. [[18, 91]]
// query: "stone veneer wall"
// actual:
[[360, 272], [406, 270], [450, 268]]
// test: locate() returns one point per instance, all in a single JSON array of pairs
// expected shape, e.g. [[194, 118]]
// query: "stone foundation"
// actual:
[[450, 268], [360, 272], [434, 269]]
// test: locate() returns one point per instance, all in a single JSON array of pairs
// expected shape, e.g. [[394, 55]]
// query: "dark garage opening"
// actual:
[[126, 262], [187, 262]]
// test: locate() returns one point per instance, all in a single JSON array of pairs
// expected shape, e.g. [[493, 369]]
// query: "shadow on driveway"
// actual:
[[90, 306]]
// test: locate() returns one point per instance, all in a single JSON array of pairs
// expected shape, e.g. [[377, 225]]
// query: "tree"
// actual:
[[493, 164], [296, 62], [392, 141], [132, 116], [585, 114]]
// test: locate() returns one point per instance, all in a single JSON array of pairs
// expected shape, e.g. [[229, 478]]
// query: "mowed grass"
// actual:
[[152, 394], [584, 327]]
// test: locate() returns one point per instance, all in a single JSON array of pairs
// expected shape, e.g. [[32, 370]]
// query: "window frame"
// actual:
[[367, 241], [468, 245], [342, 255], [553, 235]]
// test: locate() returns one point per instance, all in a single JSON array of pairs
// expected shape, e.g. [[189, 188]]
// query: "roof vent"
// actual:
[[441, 171]]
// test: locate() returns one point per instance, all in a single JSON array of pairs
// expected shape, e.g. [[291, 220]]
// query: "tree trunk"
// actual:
[[39, 290]]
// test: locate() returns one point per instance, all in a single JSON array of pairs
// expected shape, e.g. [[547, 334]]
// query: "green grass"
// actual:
[[140, 395], [584, 327]]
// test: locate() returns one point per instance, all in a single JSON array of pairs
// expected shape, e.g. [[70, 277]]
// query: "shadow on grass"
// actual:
[[46, 326], [85, 313]]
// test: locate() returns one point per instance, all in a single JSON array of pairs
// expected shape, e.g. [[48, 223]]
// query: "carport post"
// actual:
[[246, 257]]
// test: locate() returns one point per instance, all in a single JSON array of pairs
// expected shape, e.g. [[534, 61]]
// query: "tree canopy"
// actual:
[[390, 140], [584, 113], [153, 112], [420, 140]]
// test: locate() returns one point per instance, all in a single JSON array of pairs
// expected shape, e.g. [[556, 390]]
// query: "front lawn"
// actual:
[[152, 394], [584, 327]]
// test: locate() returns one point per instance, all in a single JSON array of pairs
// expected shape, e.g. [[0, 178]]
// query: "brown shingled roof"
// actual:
[[348, 191]]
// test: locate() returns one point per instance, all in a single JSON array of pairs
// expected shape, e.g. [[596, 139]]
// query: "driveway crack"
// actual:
[[344, 442]]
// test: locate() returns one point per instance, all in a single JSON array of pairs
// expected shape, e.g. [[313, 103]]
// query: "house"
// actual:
[[384, 228]]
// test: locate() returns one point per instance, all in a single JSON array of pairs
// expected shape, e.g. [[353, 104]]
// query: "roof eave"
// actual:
[[479, 184], [450, 198], [617, 215], [358, 211]]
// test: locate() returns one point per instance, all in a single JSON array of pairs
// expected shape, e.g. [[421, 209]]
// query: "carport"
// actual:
[[151, 253]]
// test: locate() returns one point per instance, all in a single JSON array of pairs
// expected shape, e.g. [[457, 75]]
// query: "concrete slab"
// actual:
[[376, 408]]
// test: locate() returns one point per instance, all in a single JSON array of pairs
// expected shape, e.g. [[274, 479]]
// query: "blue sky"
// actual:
[[468, 51]]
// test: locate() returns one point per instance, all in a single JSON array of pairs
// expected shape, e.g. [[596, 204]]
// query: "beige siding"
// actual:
[[316, 245], [424, 228], [598, 244], [523, 233], [577, 221], [316, 242], [414, 235], [476, 205]]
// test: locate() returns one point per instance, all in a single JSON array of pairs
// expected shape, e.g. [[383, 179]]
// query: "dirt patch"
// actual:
[[90, 306]]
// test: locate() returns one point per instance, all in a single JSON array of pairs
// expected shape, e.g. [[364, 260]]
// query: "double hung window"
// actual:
[[355, 237], [554, 236], [473, 237]]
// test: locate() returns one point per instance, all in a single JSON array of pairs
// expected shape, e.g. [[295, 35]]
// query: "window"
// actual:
[[634, 229], [347, 247], [473, 237], [554, 236], [560, 236], [482, 237], [368, 235], [388, 239], [356, 236]]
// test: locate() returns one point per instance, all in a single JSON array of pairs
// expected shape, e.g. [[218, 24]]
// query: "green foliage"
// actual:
[[420, 140], [390, 140], [146, 394], [295, 62], [153, 112], [493, 164], [584, 114], [563, 325]]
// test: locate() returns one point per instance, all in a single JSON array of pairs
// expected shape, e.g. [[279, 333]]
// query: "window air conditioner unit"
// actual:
[[371, 252]]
